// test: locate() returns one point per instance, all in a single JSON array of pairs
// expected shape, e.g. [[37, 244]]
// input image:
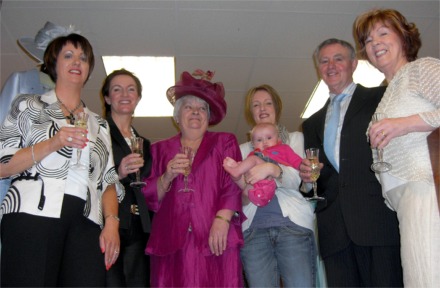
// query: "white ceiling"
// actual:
[[245, 42]]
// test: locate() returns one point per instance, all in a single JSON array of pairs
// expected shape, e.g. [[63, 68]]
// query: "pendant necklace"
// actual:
[[71, 118]]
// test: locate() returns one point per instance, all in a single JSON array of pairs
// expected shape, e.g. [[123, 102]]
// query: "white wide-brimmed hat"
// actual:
[[35, 47]]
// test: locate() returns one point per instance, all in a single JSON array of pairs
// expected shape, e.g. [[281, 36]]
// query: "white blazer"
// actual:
[[39, 190]]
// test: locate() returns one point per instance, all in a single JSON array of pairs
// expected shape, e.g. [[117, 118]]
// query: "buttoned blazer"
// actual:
[[132, 195], [354, 209]]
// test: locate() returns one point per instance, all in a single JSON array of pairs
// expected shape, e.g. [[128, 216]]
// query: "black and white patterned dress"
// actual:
[[39, 190]]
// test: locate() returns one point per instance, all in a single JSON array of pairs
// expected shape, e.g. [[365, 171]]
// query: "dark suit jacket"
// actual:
[[354, 208], [132, 196]]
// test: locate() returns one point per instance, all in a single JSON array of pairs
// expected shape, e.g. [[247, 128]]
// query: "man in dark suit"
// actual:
[[358, 233]]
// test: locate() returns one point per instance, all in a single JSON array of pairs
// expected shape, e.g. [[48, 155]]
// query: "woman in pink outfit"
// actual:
[[196, 232]]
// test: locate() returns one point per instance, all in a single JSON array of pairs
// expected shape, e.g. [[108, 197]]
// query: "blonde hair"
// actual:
[[278, 104]]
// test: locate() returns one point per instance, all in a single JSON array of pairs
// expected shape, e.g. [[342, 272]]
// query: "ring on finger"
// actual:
[[383, 133], [69, 139]]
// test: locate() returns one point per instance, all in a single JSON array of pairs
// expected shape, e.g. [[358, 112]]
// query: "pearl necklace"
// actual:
[[71, 118]]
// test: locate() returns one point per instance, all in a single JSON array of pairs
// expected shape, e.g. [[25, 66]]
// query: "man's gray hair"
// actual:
[[334, 41]]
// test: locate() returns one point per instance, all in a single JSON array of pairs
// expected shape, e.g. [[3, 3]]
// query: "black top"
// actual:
[[132, 195]]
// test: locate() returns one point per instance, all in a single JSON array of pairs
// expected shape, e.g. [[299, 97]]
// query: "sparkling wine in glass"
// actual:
[[380, 166], [80, 121], [312, 155], [137, 146], [190, 154]]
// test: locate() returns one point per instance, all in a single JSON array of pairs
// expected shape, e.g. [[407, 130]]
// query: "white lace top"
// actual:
[[415, 89]]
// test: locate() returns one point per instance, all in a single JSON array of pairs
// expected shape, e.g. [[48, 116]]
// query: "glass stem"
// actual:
[[380, 154], [78, 155], [315, 189]]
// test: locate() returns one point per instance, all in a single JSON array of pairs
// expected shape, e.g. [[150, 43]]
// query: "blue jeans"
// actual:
[[287, 251]]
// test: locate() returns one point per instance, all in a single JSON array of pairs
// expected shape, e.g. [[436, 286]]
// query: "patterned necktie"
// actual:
[[331, 130]]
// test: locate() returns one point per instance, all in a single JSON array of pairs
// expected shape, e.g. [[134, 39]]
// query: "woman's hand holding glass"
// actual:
[[395, 127], [180, 164], [130, 164], [137, 147], [189, 154], [80, 122], [378, 139], [70, 136]]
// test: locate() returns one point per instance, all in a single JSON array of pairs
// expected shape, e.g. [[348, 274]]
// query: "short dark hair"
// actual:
[[407, 32], [105, 89], [53, 50]]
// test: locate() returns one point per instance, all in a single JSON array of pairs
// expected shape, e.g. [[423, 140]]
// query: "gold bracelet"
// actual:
[[33, 155], [223, 218], [163, 186], [113, 216]]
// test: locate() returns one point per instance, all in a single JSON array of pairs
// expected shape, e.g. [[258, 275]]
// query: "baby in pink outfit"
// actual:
[[268, 148]]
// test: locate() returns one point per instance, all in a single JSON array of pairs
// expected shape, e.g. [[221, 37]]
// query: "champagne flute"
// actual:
[[80, 121], [312, 155], [137, 146], [190, 154], [380, 166]]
